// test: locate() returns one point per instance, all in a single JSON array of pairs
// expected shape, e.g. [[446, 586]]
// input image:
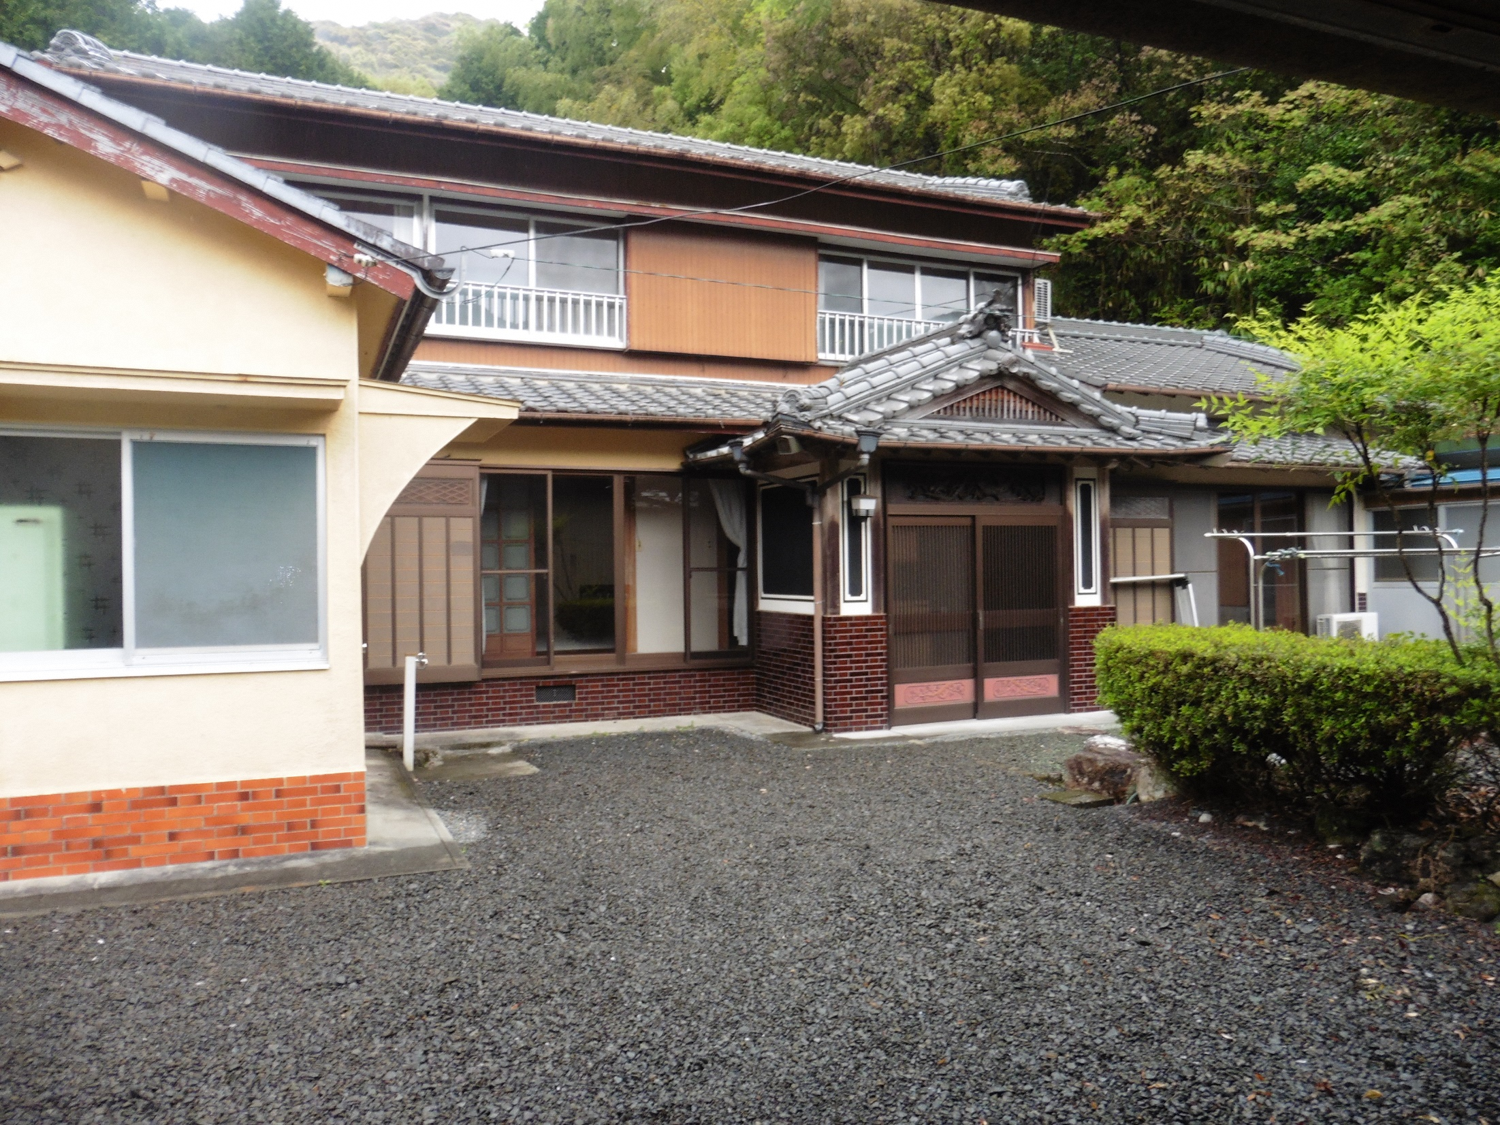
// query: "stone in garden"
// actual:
[[1480, 901], [1107, 743], [1391, 855], [1108, 770], [1428, 901]]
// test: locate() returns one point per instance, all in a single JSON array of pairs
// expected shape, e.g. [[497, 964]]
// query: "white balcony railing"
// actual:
[[846, 336], [513, 312]]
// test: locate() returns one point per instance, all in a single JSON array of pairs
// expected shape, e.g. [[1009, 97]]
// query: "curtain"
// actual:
[[729, 499]]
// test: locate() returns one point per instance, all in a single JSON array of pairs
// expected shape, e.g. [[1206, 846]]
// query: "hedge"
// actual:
[[1372, 727]]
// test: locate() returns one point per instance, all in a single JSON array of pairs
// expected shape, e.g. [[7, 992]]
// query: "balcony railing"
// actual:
[[846, 336], [513, 312]]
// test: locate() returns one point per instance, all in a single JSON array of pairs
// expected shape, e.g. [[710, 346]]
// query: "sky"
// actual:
[[354, 12]]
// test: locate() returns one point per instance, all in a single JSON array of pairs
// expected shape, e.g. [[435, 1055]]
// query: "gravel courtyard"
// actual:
[[699, 927]]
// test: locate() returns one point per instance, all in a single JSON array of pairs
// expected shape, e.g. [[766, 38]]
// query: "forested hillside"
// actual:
[[408, 56], [1250, 193]]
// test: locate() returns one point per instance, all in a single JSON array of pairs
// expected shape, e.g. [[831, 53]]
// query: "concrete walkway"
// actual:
[[405, 838]]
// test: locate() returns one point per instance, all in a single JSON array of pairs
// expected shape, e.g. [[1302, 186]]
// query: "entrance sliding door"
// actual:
[[931, 575], [1021, 619]]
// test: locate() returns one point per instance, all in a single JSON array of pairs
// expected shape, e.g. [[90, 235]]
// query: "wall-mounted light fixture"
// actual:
[[862, 507], [869, 440]]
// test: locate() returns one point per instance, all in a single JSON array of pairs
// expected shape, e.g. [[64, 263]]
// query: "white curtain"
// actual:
[[729, 499]]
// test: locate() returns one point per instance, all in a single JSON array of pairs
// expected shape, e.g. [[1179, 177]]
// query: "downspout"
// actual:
[[816, 500]]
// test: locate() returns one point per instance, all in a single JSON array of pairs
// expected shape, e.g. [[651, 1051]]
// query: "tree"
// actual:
[[261, 36], [1406, 380]]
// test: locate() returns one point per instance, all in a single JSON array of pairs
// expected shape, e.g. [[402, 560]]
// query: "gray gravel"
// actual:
[[696, 927]]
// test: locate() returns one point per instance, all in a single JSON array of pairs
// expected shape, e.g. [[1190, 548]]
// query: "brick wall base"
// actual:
[[856, 691], [613, 695], [119, 829], [1085, 622], [783, 666]]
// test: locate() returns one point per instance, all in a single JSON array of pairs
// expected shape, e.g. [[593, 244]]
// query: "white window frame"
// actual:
[[775, 603], [861, 528], [918, 264], [1086, 593], [130, 660], [531, 219]]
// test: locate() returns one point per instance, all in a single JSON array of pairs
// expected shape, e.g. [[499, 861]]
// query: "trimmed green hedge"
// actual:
[[1370, 727]]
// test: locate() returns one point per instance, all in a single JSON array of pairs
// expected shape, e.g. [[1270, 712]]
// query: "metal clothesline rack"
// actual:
[[1259, 561]]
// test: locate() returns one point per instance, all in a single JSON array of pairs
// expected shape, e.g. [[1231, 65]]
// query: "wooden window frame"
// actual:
[[620, 659]]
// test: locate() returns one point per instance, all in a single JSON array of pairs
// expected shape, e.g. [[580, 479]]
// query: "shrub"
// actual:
[[1370, 727]]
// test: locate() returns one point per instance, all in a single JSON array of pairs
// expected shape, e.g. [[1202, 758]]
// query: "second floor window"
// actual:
[[485, 248], [907, 290]]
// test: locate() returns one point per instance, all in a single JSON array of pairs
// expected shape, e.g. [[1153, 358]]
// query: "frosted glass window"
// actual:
[[841, 285], [504, 259], [893, 290], [577, 262], [60, 546], [653, 514], [226, 544], [945, 294]]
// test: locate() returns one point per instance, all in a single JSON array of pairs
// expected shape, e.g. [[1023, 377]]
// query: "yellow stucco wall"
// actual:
[[99, 275], [109, 286]]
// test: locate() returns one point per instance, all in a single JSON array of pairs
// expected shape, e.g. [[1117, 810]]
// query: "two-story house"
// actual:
[[795, 435]]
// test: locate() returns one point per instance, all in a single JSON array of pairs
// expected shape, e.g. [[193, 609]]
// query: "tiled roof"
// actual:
[[653, 397], [885, 390], [211, 156], [1105, 354], [75, 51], [1300, 449]]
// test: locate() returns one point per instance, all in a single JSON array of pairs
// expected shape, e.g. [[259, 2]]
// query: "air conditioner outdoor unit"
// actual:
[[1349, 625]]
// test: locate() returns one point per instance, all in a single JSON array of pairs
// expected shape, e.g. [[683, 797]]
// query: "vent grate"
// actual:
[[998, 404], [454, 492]]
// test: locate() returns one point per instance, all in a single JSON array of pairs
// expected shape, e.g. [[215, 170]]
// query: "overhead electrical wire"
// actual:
[[897, 166]]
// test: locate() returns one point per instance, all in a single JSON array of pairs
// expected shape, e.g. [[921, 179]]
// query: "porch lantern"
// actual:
[[862, 507], [868, 441]]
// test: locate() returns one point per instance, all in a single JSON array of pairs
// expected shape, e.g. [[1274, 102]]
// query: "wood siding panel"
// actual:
[[704, 292], [421, 577], [1140, 551]]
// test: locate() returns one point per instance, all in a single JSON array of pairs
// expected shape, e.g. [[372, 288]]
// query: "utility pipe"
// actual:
[[409, 711]]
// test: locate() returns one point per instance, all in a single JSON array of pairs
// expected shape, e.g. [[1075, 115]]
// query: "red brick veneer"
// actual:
[[1085, 622], [613, 695], [856, 691], [156, 825], [784, 665]]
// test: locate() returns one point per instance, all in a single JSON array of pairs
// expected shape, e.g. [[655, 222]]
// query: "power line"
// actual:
[[868, 171]]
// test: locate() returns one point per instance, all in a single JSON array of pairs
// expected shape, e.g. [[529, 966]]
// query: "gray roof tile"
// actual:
[[79, 52], [655, 397], [1151, 357]]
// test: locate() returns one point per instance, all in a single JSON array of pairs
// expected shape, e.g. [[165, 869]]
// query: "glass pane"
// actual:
[[840, 285], [584, 549], [226, 544], [945, 294], [653, 512], [989, 285], [893, 290], [854, 544], [59, 543], [1282, 581], [581, 263], [1424, 568], [1464, 519], [393, 217], [715, 596], [514, 538], [786, 543], [1085, 532], [504, 259]]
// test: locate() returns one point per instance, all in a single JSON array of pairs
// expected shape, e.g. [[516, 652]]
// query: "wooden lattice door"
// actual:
[[1022, 639]]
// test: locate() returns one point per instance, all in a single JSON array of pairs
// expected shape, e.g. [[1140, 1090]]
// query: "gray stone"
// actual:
[[1480, 901]]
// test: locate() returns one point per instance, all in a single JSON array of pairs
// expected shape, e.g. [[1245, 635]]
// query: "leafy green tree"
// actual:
[[1315, 202], [261, 36], [1405, 380]]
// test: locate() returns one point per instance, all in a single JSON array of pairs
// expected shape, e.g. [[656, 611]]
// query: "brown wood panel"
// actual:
[[679, 300], [421, 579]]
